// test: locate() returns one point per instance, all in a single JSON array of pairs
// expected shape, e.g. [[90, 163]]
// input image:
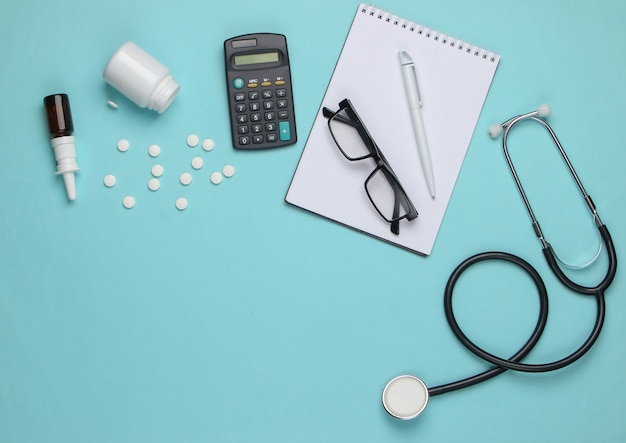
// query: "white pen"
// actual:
[[415, 108]]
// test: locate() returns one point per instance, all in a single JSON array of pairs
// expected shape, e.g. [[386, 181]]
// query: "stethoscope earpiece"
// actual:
[[495, 130], [542, 111]]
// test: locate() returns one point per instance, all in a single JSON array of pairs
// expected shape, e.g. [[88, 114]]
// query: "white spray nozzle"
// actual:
[[70, 185], [65, 155]]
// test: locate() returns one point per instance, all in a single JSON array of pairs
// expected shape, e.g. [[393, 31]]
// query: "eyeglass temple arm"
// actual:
[[329, 114], [395, 225]]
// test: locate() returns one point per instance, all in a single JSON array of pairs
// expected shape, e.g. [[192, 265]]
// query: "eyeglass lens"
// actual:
[[383, 191], [347, 137]]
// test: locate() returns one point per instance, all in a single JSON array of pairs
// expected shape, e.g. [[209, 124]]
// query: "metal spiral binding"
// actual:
[[429, 33]]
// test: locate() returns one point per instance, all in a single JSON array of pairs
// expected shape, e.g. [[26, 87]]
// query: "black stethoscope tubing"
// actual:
[[405, 396], [514, 362]]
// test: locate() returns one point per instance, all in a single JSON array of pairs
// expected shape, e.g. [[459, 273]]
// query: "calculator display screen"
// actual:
[[252, 59]]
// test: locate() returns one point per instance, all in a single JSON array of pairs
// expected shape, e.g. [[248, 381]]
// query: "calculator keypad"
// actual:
[[263, 115]]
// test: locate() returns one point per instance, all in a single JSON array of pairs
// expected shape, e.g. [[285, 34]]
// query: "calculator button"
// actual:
[[240, 96], [253, 85], [268, 105], [242, 118], [280, 93], [257, 139], [268, 93], [244, 140], [238, 83], [271, 138], [255, 106], [257, 128], [279, 82], [283, 115], [270, 127], [284, 129], [270, 116], [242, 129], [281, 104], [255, 117], [254, 95], [266, 84], [240, 107]]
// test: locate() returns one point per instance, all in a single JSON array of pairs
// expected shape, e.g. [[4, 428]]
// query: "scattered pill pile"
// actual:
[[157, 170]]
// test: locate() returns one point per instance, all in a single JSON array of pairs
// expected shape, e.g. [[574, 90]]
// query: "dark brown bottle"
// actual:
[[59, 115]]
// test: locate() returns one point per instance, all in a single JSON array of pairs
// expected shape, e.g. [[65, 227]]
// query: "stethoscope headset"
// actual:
[[405, 397]]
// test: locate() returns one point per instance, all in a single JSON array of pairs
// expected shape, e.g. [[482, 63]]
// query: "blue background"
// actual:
[[245, 319]]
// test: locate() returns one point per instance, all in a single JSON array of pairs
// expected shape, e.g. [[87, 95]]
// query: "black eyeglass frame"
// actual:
[[401, 197]]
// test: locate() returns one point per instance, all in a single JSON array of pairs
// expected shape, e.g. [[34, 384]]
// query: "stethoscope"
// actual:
[[405, 397]]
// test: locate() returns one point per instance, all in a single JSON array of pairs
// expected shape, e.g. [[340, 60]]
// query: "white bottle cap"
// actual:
[[163, 95]]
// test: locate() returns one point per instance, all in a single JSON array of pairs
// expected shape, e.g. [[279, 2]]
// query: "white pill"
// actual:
[[128, 202], [208, 144], [228, 171], [185, 178], [154, 150], [181, 203], [192, 140], [197, 163], [123, 145], [157, 170], [216, 178], [109, 181], [112, 104], [154, 184]]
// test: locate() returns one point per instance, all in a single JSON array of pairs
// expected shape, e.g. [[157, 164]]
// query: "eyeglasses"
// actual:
[[382, 186]]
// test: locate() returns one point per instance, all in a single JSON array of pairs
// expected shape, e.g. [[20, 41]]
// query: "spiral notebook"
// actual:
[[454, 79]]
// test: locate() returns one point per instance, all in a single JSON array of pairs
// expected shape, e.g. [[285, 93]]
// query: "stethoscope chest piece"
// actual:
[[405, 397]]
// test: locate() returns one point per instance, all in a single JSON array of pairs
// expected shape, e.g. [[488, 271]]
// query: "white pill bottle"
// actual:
[[141, 78]]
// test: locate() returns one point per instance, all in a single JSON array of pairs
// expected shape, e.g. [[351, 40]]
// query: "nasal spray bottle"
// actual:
[[61, 129]]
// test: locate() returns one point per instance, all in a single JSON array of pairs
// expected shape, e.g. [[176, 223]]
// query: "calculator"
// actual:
[[260, 97]]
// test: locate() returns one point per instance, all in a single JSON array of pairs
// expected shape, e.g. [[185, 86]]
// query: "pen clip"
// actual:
[[417, 85]]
